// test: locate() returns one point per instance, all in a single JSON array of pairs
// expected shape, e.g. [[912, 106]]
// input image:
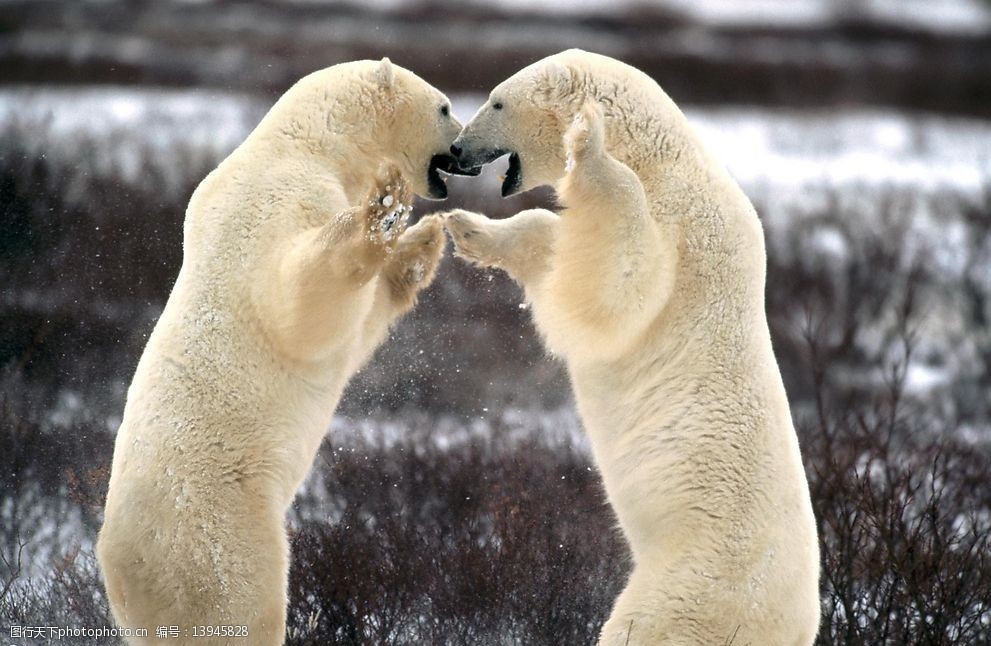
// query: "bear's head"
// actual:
[[420, 129], [366, 113], [526, 116]]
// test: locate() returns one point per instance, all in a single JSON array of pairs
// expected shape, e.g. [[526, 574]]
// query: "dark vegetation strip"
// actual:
[[264, 46]]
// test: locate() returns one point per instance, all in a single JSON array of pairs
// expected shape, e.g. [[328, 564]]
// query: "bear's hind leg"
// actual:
[[672, 606], [636, 618]]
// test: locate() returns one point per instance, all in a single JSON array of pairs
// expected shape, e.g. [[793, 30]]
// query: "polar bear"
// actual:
[[650, 285], [296, 262]]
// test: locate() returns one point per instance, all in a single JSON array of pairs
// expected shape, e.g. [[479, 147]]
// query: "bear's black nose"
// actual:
[[455, 150]]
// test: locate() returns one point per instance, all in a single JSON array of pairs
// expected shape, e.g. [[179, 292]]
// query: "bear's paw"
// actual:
[[585, 136], [389, 204]]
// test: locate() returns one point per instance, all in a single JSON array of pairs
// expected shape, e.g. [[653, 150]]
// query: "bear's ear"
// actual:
[[384, 75]]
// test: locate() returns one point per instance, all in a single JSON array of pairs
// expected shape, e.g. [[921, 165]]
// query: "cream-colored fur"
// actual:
[[296, 262], [650, 284]]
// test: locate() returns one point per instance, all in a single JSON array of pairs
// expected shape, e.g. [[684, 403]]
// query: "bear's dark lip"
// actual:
[[448, 164], [514, 176]]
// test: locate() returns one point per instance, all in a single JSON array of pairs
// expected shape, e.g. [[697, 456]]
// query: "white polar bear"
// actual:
[[650, 284], [295, 264]]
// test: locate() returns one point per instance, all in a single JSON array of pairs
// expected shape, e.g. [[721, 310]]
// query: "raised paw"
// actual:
[[585, 137], [472, 237], [417, 254], [421, 247], [387, 206]]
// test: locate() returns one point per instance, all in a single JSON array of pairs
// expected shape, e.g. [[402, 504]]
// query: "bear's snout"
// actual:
[[471, 155]]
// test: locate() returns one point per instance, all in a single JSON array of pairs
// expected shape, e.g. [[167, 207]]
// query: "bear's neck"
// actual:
[[348, 162], [355, 173]]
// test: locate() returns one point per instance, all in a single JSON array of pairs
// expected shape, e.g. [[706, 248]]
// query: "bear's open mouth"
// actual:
[[449, 165], [476, 158]]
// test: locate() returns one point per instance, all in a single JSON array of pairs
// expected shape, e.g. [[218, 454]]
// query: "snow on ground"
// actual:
[[120, 131], [925, 153], [553, 428], [558, 429], [791, 159], [773, 153]]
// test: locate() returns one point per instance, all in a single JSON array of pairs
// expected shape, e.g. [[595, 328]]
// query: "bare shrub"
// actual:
[[491, 541], [904, 514]]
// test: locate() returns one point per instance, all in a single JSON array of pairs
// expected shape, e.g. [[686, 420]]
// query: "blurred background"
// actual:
[[454, 499]]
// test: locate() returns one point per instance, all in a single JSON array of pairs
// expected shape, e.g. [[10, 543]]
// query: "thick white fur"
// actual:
[[291, 277], [650, 284]]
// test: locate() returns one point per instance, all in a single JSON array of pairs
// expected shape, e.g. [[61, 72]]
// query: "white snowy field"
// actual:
[[784, 156], [795, 164]]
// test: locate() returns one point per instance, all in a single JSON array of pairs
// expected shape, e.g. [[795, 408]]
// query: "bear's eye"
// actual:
[[444, 110], [497, 105]]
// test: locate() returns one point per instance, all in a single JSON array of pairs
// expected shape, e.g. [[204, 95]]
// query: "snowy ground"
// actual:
[[792, 163], [782, 155]]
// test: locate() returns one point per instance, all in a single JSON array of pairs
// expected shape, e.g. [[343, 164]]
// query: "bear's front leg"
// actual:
[[317, 295], [357, 242], [413, 263], [522, 245], [409, 267], [613, 268]]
